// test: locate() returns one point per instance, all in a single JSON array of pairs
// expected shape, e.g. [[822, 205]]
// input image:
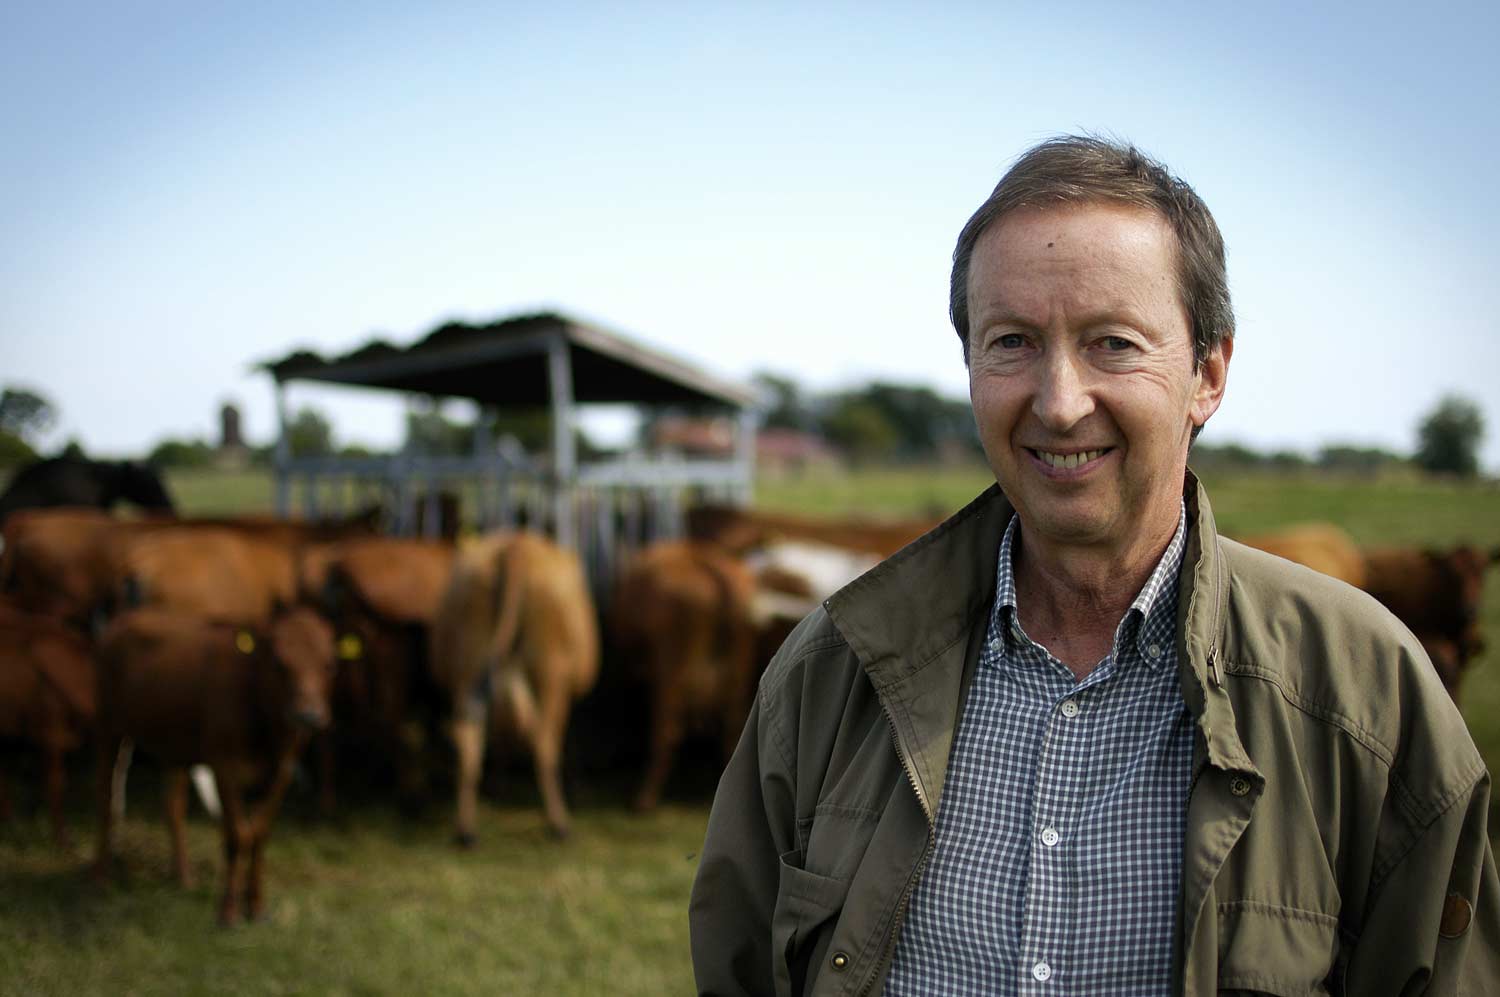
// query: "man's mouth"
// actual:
[[1068, 461]]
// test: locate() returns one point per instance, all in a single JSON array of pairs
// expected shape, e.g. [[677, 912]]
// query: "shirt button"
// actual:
[[1153, 650], [1050, 837], [995, 645], [1042, 972], [1069, 708]]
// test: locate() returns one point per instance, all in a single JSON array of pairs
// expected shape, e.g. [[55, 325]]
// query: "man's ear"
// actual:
[[1213, 374]]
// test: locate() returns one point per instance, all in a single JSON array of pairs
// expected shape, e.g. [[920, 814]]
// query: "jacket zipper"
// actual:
[[911, 884]]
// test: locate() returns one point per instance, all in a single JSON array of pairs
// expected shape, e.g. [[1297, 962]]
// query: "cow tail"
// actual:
[[510, 583]]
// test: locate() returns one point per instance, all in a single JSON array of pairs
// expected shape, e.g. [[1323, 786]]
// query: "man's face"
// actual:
[[1081, 372]]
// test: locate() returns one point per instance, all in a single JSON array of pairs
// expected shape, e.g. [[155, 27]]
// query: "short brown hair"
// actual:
[[1083, 169]]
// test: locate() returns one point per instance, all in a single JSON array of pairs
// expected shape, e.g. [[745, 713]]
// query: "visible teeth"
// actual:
[[1068, 461]]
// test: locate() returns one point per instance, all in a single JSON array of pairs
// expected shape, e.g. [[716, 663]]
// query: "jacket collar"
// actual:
[[1202, 619], [925, 597], [913, 616]]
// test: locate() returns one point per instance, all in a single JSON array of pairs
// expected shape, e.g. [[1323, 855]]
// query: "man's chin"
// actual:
[[1084, 528]]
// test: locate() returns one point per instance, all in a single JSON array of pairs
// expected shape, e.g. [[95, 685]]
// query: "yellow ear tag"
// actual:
[[350, 648], [245, 642]]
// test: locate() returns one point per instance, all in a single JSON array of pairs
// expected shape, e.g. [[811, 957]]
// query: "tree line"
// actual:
[[878, 422]]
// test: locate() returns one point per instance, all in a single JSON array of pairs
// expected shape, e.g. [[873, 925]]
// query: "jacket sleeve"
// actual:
[[1434, 927], [752, 824]]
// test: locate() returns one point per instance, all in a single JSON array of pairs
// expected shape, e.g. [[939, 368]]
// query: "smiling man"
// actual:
[[1073, 741]]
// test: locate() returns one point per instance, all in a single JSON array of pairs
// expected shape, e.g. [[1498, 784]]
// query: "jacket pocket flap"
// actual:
[[806, 896], [1266, 948]]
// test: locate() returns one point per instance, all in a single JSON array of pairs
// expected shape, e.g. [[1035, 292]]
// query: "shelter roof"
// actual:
[[504, 363]]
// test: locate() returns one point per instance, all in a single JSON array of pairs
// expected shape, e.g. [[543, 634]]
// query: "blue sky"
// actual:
[[188, 188]]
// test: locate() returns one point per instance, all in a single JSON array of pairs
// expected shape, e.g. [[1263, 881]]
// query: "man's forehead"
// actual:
[[1063, 226], [1098, 260]]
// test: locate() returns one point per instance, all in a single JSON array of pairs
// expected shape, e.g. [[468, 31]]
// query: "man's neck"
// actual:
[[1071, 599]]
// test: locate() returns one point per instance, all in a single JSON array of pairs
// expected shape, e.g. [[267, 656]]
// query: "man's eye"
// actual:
[[1117, 343], [1011, 341]]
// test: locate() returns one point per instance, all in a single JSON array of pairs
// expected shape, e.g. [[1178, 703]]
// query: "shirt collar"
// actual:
[[1150, 598]]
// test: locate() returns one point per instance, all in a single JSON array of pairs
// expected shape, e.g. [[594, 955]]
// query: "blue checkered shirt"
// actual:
[[1059, 835]]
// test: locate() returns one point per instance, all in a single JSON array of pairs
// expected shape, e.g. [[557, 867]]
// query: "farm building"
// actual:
[[517, 364]]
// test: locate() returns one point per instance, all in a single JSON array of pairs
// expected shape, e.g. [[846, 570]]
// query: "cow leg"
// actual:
[[550, 730], [255, 902], [411, 784], [666, 736], [468, 741], [674, 656], [175, 803], [237, 837], [259, 826], [327, 772], [108, 748], [56, 785], [119, 771]]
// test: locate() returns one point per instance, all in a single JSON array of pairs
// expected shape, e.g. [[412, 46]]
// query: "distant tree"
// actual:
[[1287, 460], [432, 434], [530, 427], [14, 450], [921, 423], [861, 428], [1230, 455], [25, 414], [309, 434], [181, 453], [789, 408], [1360, 460], [1449, 436]]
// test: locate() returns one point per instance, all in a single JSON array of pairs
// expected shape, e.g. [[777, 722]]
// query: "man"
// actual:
[[1073, 741]]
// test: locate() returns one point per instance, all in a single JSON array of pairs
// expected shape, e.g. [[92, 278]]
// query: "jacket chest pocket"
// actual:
[[814, 882], [1268, 949], [806, 904]]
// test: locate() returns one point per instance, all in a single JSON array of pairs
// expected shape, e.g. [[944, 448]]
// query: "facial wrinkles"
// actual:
[[1056, 277]]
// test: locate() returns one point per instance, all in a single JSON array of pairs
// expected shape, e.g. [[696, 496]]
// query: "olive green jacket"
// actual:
[[1335, 838]]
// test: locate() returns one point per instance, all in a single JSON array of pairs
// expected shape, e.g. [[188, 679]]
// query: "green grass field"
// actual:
[[385, 905]]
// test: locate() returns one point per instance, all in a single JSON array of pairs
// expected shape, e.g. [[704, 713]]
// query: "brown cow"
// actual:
[[61, 562], [46, 697], [212, 573], [240, 700], [1320, 546], [1437, 594], [73, 562], [382, 597], [516, 626], [682, 612], [741, 530]]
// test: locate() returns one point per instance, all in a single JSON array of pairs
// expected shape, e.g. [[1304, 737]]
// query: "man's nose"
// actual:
[[1062, 395]]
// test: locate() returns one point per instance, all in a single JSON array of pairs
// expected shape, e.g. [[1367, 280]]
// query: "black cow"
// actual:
[[59, 481]]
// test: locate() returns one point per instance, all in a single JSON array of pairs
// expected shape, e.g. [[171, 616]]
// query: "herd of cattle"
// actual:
[[238, 643]]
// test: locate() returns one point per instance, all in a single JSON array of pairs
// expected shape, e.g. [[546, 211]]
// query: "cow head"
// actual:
[[140, 484], [302, 647], [1461, 571]]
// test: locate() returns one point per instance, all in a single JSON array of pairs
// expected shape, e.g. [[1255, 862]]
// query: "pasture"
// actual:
[[378, 904]]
